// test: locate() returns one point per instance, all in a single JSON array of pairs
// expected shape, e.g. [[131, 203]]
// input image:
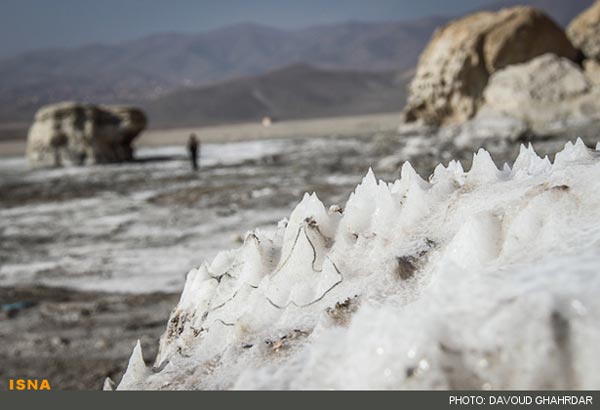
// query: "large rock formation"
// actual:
[[72, 133], [592, 70], [548, 93], [454, 68], [584, 32]]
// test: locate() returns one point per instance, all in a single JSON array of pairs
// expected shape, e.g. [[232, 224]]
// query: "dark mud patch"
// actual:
[[188, 196], [76, 339]]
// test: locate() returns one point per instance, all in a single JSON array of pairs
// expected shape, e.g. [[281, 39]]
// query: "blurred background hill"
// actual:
[[292, 92], [236, 73]]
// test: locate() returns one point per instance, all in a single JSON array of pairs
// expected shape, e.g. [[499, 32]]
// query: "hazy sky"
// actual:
[[31, 24]]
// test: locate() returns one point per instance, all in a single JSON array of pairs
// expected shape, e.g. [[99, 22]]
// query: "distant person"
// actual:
[[194, 149]]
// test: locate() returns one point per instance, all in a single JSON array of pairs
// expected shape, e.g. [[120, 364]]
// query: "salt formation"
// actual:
[[470, 280]]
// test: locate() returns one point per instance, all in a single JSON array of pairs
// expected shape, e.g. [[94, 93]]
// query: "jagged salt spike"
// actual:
[[200, 292], [407, 171], [438, 171], [523, 154], [411, 174], [136, 361], [580, 150], [456, 167], [309, 206], [482, 158], [408, 178], [203, 272], [572, 152], [528, 162], [255, 266], [249, 238], [395, 187], [298, 272], [317, 208], [506, 170], [221, 262], [406, 174], [366, 187], [547, 161], [200, 279], [369, 179], [194, 282], [360, 206], [526, 152], [302, 205], [312, 207], [415, 205], [136, 369], [532, 150], [315, 202], [108, 385], [446, 177], [564, 154], [523, 158], [483, 167], [440, 174], [363, 192], [188, 286], [305, 198]]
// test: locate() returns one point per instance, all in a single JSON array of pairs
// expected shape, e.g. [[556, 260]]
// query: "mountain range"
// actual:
[[292, 92], [172, 72]]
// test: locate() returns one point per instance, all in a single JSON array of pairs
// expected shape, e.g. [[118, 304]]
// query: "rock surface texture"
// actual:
[[76, 134], [454, 69], [592, 70], [546, 93], [584, 32]]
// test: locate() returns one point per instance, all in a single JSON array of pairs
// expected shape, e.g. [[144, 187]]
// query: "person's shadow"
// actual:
[[159, 158]]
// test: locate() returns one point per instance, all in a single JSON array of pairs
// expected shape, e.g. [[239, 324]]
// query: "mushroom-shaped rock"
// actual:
[[75, 134], [454, 68], [548, 93], [584, 31]]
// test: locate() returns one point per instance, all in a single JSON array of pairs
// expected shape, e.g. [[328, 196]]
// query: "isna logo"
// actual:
[[29, 384]]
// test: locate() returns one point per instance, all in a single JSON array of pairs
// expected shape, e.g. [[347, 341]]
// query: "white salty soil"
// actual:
[[470, 280]]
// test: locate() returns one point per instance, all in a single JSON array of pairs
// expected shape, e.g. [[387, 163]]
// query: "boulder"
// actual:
[[454, 69], [548, 93], [592, 70], [75, 134], [584, 31]]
